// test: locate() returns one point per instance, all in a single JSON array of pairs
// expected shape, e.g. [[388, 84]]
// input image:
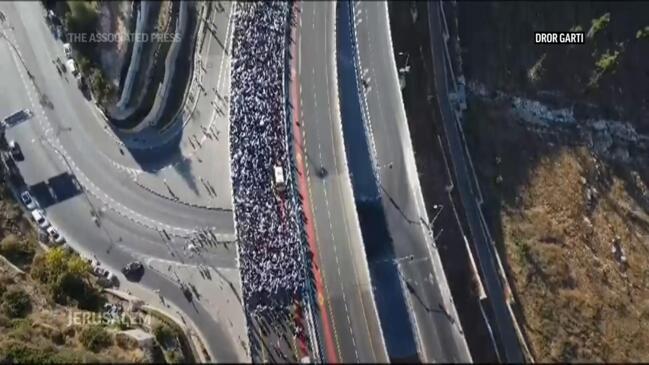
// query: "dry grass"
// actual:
[[48, 326], [579, 303]]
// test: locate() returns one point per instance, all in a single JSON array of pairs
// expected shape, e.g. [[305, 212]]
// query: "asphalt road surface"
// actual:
[[486, 256], [59, 140], [436, 326], [348, 293]]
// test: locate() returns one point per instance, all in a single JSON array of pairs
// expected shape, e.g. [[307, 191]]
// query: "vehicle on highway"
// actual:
[[322, 172], [186, 292], [72, 66], [39, 217], [17, 117], [133, 270], [55, 236], [280, 183], [68, 50], [16, 152], [26, 198]]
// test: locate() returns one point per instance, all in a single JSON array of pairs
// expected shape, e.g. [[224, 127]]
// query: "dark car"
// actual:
[[16, 152], [17, 117], [187, 292], [133, 270], [322, 172]]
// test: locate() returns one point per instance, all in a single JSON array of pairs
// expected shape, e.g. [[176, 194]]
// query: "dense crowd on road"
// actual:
[[267, 222]]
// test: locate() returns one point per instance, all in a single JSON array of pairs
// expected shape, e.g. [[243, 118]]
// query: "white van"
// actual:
[[72, 66], [39, 218], [280, 184], [68, 50]]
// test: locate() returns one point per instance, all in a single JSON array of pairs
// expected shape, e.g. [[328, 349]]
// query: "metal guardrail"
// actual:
[[479, 198], [308, 295]]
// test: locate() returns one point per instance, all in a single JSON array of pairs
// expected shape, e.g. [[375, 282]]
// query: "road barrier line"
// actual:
[[330, 346], [480, 200], [345, 168]]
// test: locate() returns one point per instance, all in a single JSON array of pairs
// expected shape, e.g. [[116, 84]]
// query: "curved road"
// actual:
[[56, 141]]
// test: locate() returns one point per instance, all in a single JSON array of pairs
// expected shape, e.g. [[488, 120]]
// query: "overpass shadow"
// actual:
[[389, 296], [55, 190]]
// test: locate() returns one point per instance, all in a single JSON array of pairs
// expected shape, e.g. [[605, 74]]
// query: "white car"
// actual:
[[55, 236], [99, 271], [68, 50], [39, 218], [26, 198], [72, 66]]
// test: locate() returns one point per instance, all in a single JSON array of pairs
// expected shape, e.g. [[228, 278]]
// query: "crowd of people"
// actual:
[[268, 222]]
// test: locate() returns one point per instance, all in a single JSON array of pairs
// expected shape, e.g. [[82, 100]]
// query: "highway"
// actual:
[[348, 296], [486, 256], [65, 137], [437, 330]]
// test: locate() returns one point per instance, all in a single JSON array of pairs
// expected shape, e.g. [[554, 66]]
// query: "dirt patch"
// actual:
[[574, 229]]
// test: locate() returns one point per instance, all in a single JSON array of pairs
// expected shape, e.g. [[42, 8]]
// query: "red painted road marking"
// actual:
[[306, 204]]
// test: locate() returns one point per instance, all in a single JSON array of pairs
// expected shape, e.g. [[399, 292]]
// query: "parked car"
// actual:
[[16, 117], [43, 237], [39, 217], [55, 236], [26, 198], [72, 66], [16, 152], [99, 271], [68, 50]]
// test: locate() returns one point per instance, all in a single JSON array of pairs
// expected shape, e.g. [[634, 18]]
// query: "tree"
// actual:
[[21, 352], [66, 274], [15, 250], [164, 334], [16, 303], [95, 338]]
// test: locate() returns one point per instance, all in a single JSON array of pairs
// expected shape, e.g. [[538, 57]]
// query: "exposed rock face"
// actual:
[[611, 139]]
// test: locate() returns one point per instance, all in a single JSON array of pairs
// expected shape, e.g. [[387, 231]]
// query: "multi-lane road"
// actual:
[[437, 328], [68, 136], [65, 135], [486, 256], [348, 297]]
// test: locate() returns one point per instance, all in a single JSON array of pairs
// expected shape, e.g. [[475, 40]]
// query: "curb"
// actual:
[[194, 341]]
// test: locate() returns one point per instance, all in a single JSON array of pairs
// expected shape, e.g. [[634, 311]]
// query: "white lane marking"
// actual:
[[50, 138]]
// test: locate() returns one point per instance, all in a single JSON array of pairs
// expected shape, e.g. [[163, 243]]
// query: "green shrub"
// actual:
[[598, 24], [22, 352], [21, 329], [642, 33], [66, 276], [67, 356], [164, 334], [16, 303], [95, 338], [608, 61], [175, 357], [17, 251]]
